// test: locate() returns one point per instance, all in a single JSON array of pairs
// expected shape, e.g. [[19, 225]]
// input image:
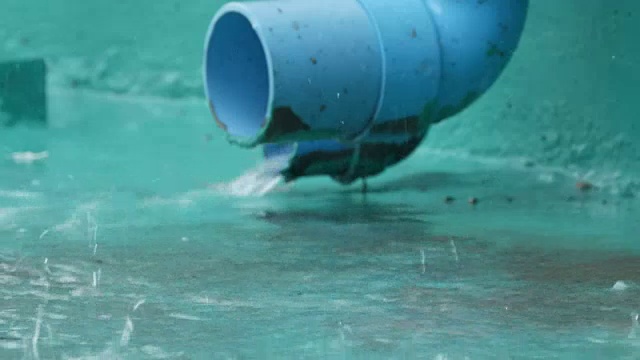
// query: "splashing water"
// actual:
[[258, 181], [29, 157], [633, 334]]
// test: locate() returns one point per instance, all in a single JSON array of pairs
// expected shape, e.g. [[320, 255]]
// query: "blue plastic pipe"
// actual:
[[347, 88]]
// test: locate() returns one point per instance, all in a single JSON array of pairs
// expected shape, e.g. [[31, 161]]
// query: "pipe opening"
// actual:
[[237, 76]]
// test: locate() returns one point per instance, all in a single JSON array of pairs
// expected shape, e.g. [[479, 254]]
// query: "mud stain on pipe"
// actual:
[[220, 124], [284, 122]]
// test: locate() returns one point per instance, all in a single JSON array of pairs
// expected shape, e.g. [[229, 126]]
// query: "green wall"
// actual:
[[568, 99], [141, 47]]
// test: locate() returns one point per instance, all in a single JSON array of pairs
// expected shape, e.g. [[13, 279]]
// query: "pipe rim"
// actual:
[[238, 9]]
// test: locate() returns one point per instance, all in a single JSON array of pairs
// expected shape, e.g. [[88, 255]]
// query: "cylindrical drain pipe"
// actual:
[[347, 88]]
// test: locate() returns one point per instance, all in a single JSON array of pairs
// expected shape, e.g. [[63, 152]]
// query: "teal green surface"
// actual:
[[537, 269], [117, 244]]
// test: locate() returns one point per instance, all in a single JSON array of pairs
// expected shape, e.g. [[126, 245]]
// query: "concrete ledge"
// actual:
[[23, 92]]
